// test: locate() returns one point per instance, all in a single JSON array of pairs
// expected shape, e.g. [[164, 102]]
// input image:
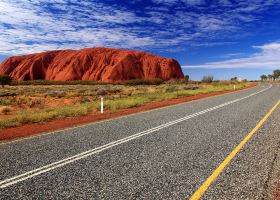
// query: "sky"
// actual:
[[223, 38]]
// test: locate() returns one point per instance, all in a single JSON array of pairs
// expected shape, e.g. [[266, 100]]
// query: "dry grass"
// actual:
[[32, 104], [5, 110]]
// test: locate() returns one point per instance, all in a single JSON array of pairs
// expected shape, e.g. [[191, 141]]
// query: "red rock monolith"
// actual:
[[99, 64]]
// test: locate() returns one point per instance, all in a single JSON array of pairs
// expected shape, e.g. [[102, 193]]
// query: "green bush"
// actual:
[[171, 88], [36, 103], [5, 80], [84, 100], [101, 92], [207, 79], [144, 82], [51, 82], [187, 78], [7, 102]]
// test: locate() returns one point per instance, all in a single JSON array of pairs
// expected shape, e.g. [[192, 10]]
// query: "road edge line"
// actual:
[[206, 184]]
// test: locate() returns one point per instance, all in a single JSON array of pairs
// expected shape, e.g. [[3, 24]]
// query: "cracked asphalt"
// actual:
[[170, 163]]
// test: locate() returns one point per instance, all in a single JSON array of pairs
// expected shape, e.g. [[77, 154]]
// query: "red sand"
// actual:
[[26, 130], [99, 64], [277, 192]]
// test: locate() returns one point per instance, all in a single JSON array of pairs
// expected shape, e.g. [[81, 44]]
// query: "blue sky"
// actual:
[[223, 38]]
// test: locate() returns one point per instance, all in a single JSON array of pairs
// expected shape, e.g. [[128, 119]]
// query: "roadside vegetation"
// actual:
[[275, 76], [26, 102], [207, 79], [5, 80]]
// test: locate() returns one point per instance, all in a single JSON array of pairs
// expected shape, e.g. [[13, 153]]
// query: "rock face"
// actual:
[[99, 64]]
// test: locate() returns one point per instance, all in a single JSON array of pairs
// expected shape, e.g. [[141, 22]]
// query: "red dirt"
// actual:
[[99, 64], [277, 192], [54, 102], [30, 129]]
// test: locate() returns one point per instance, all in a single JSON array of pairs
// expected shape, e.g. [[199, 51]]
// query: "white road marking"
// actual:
[[16, 179]]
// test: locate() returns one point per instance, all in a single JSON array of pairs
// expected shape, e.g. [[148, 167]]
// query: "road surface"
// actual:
[[161, 154]]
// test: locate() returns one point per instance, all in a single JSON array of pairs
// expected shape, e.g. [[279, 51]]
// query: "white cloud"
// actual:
[[270, 47], [193, 2], [28, 26], [268, 57], [187, 2], [168, 2]]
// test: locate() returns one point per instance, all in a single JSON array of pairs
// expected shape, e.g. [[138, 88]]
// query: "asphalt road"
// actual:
[[166, 154]]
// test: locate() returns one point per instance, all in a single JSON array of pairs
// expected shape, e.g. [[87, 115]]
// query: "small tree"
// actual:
[[276, 74], [207, 79], [101, 92], [5, 80], [269, 76], [263, 77], [187, 78]]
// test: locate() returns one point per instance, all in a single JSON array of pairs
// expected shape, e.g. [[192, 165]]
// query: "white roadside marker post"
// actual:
[[102, 105], [233, 87]]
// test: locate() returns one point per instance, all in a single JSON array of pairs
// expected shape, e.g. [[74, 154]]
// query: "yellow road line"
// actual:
[[203, 188]]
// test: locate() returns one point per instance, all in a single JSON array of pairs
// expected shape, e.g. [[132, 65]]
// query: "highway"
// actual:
[[166, 153]]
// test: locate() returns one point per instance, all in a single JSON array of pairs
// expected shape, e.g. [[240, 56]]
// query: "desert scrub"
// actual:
[[128, 102], [71, 94], [144, 82], [220, 86], [92, 103], [22, 101], [5, 110], [52, 82], [36, 103], [84, 100], [171, 88], [7, 101], [67, 91], [28, 116]]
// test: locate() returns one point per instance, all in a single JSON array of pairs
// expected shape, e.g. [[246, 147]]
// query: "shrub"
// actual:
[[56, 93], [5, 110], [36, 103], [84, 100], [263, 77], [113, 90], [171, 88], [8, 94], [207, 79], [187, 78], [7, 101], [5, 80], [22, 101], [52, 82], [101, 92], [144, 82], [176, 81], [276, 73], [192, 87]]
